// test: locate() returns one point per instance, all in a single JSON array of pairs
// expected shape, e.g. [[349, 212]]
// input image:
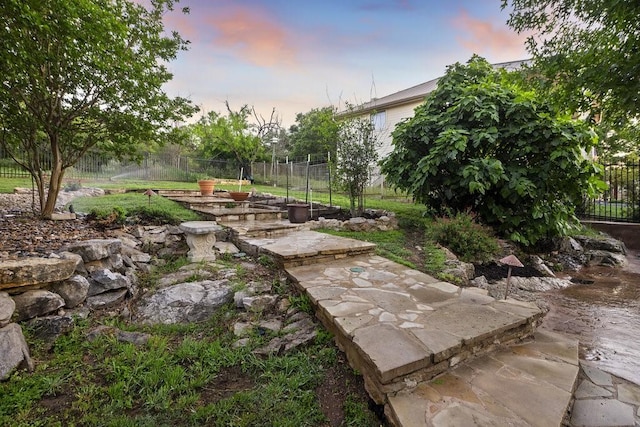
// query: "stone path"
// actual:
[[603, 400], [438, 355]]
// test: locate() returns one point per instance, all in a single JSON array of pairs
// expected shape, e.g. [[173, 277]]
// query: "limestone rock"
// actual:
[[113, 262], [570, 246], [540, 266], [31, 271], [7, 307], [605, 258], [76, 258], [74, 290], [36, 302], [185, 302], [49, 328], [95, 249], [136, 338], [105, 280], [536, 284], [259, 303], [14, 352], [107, 299], [607, 244]]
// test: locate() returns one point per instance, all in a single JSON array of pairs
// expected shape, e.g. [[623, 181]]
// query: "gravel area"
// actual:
[[23, 233]]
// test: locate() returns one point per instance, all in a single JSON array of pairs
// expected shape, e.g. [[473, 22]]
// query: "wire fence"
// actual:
[[299, 175], [619, 203]]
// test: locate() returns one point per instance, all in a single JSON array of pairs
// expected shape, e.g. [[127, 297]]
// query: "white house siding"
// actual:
[[395, 115]]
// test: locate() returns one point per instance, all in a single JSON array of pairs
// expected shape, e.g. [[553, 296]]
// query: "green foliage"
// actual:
[[82, 74], [356, 156], [314, 133], [470, 241], [481, 142], [586, 58], [389, 244], [184, 375], [227, 137], [434, 257]]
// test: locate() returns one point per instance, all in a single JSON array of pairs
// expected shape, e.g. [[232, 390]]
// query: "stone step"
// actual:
[[25, 272], [238, 214], [303, 247], [399, 326], [525, 384]]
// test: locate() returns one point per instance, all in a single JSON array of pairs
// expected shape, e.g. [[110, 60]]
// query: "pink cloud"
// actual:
[[488, 39], [253, 35]]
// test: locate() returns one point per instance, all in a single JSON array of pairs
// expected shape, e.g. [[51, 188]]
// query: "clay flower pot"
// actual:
[[206, 187], [239, 196], [298, 212]]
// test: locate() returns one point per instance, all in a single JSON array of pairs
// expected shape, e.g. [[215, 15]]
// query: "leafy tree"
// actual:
[[356, 155], [78, 74], [588, 52], [481, 143], [315, 133], [228, 137]]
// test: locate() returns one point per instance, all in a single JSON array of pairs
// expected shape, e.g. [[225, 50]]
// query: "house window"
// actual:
[[378, 120]]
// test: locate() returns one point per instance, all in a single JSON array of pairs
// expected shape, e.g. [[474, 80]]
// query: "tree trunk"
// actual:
[[55, 180]]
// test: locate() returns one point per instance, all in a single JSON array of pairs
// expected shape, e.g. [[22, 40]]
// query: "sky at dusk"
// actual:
[[296, 55]]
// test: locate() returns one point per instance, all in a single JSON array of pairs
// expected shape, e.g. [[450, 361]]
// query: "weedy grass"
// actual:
[[389, 244], [179, 377]]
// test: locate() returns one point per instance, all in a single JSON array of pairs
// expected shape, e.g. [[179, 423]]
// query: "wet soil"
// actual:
[[603, 312]]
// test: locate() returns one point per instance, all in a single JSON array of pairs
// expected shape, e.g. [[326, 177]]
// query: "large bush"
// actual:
[[481, 142]]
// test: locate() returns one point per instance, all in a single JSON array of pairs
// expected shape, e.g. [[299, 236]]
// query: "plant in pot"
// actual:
[[206, 186]]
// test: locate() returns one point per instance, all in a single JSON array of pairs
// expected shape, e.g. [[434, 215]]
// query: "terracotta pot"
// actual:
[[239, 196], [206, 187], [298, 212]]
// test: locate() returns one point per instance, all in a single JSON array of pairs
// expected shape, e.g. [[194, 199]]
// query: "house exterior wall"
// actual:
[[394, 116]]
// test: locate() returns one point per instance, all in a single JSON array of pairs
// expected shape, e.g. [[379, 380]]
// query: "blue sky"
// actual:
[[296, 55]]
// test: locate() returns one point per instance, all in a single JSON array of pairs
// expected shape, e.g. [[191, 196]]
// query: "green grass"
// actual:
[[186, 375], [158, 207], [389, 244]]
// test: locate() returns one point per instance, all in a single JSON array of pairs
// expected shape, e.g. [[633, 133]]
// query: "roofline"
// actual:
[[372, 105]]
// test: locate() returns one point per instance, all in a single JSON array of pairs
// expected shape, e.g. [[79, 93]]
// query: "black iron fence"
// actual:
[[621, 201]]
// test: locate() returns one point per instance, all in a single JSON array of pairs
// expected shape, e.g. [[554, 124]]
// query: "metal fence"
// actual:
[[185, 168], [621, 201]]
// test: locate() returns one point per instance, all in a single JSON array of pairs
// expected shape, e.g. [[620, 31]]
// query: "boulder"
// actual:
[[105, 280], [605, 258], [260, 303], [113, 262], [49, 328], [570, 246], [7, 307], [36, 302], [95, 249], [607, 244], [74, 290], [540, 266], [32, 271], [135, 338], [185, 302], [76, 258], [107, 299], [14, 352]]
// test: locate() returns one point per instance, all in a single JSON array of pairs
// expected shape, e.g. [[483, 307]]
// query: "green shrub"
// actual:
[[467, 239]]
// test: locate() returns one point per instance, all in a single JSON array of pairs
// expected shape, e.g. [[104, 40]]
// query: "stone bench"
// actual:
[[201, 236]]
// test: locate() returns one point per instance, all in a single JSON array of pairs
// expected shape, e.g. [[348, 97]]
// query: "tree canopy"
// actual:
[[78, 74], [314, 133], [588, 52], [228, 137], [482, 143]]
